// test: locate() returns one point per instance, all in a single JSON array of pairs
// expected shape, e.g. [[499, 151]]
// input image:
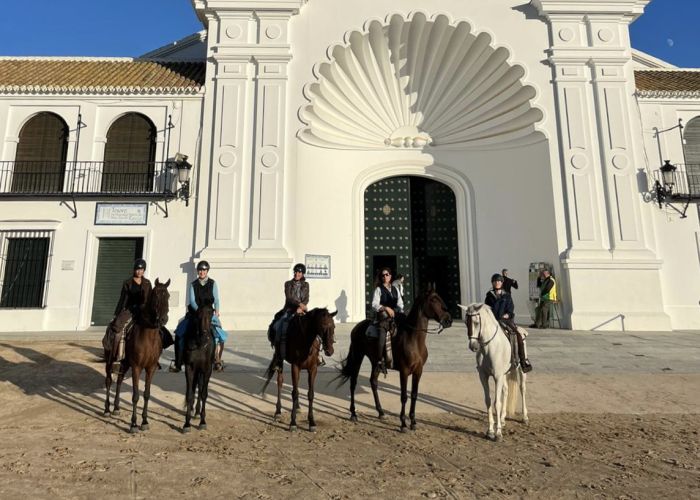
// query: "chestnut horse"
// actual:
[[408, 347], [198, 358], [143, 348], [306, 336]]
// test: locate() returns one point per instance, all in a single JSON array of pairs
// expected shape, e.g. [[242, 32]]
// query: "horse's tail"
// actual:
[[269, 373], [512, 379], [350, 366]]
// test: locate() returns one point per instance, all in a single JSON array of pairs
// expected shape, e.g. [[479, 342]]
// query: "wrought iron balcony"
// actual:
[[679, 183], [93, 179]]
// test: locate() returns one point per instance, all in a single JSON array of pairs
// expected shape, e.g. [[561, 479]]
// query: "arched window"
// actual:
[[40, 162], [130, 155], [692, 155]]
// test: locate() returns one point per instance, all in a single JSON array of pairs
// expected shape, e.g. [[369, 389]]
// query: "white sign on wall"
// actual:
[[318, 266], [121, 214]]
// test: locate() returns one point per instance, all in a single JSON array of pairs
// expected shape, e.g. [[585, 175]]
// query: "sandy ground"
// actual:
[[590, 436]]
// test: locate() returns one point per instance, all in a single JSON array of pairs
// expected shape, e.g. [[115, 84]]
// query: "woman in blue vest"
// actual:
[[388, 304], [203, 290]]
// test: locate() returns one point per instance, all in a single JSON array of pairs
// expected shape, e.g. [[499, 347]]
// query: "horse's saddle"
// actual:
[[372, 331]]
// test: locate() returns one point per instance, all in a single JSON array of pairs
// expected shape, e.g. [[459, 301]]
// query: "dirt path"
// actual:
[[55, 443]]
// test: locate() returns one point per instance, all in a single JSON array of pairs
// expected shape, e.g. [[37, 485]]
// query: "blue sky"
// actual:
[[669, 30]]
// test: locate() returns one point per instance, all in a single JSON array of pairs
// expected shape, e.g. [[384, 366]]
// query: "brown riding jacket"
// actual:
[[291, 301]]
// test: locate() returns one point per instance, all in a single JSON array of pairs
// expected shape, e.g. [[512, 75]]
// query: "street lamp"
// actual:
[[184, 170], [668, 178]]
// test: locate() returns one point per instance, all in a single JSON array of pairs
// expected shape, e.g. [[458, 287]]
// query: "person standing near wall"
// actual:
[[548, 295], [508, 282]]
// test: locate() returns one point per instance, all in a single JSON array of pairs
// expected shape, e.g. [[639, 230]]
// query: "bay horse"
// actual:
[[493, 359], [306, 336], [198, 358], [409, 351], [143, 348]]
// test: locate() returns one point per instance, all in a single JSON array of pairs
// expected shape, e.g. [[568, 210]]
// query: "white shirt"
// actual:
[[378, 297]]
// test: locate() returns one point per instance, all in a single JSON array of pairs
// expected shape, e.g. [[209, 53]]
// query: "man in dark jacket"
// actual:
[[296, 300], [508, 283], [503, 309]]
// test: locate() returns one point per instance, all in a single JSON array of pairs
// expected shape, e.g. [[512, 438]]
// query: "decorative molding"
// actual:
[[415, 81]]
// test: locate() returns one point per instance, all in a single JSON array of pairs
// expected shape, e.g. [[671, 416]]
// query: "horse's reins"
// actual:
[[478, 337]]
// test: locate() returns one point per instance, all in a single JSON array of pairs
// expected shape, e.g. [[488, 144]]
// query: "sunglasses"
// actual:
[[386, 274]]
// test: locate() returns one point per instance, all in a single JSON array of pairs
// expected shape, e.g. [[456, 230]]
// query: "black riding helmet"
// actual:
[[203, 265], [139, 264], [496, 277], [300, 268]]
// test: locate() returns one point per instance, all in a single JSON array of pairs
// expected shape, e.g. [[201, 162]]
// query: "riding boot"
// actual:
[[388, 357], [176, 366], [381, 342], [524, 362]]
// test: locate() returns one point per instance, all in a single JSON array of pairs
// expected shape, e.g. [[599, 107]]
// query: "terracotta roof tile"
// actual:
[[668, 83], [29, 75]]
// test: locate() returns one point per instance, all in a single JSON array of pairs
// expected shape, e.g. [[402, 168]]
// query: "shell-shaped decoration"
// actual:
[[417, 82]]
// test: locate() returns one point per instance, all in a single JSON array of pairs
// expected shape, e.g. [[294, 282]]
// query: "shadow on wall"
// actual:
[[341, 305]]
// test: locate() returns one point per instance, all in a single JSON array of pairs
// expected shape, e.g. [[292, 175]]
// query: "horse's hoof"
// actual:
[[490, 435], [202, 427], [134, 429], [145, 427], [116, 413], [277, 417], [353, 418], [413, 427], [106, 413], [404, 430], [526, 421], [312, 428], [382, 416], [292, 428], [499, 438], [185, 430]]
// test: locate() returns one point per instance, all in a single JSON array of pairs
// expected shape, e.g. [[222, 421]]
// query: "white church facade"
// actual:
[[445, 140]]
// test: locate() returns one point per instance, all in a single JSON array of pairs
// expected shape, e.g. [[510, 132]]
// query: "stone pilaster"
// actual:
[[608, 257]]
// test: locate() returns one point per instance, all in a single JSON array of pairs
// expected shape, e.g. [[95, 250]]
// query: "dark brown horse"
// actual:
[[408, 347], [199, 360], [143, 348], [306, 336]]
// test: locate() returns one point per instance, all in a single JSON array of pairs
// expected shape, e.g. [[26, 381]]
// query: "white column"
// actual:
[[613, 275]]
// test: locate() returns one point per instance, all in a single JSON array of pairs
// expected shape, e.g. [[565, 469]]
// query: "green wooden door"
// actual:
[[411, 227], [115, 262]]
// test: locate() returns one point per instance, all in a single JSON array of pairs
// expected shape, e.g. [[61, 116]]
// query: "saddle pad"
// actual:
[[372, 332]]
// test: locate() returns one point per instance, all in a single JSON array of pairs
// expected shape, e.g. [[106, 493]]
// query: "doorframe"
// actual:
[[466, 223], [92, 247]]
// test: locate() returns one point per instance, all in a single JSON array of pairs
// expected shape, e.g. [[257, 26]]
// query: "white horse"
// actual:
[[493, 355]]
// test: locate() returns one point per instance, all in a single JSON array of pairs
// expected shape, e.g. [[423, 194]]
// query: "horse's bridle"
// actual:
[[478, 337]]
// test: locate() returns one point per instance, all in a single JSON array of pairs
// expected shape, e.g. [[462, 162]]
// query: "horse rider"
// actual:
[[296, 300], [501, 303], [387, 302], [134, 294], [203, 290]]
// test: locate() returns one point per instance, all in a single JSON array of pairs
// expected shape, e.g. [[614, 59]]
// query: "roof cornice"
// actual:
[[205, 8], [630, 9]]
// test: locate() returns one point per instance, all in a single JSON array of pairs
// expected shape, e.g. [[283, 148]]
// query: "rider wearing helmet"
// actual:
[[134, 294], [501, 303], [296, 296], [203, 290]]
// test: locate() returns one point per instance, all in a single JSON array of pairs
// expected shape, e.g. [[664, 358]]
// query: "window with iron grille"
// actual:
[[130, 154], [24, 264]]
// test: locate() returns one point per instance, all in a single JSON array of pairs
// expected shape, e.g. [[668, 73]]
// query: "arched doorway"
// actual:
[[692, 155], [130, 154], [411, 227], [40, 162]]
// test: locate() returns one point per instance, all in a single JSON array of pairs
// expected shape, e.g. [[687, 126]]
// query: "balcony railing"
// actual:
[[87, 179], [686, 180]]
